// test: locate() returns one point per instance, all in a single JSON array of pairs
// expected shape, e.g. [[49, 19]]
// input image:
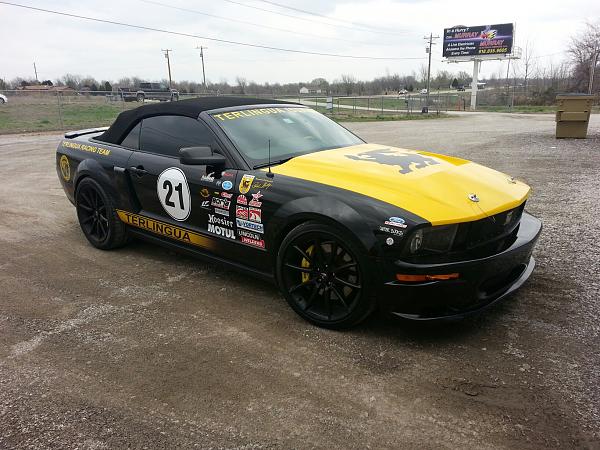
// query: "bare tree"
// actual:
[[584, 50], [348, 82], [242, 83]]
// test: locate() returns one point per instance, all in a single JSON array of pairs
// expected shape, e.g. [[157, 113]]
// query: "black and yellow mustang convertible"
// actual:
[[281, 191]]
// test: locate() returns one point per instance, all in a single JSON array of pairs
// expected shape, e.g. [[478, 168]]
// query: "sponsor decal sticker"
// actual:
[[255, 215], [396, 222], [255, 202], [250, 226], [209, 177], [249, 234], [241, 212], [219, 202], [205, 204], [254, 242], [259, 183], [174, 193], [221, 231], [219, 221], [389, 241], [222, 212], [204, 193], [226, 195], [65, 168], [242, 200], [393, 231], [246, 183], [227, 185]]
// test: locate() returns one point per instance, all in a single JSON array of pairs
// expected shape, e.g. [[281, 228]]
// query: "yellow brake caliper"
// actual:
[[305, 263]]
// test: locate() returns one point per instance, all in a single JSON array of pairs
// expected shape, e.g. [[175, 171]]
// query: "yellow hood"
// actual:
[[435, 187]]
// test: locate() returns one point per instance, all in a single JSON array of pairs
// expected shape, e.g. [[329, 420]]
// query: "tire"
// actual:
[[97, 216], [140, 98], [1, 101], [324, 275]]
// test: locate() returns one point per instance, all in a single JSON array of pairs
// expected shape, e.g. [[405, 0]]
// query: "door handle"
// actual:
[[139, 170]]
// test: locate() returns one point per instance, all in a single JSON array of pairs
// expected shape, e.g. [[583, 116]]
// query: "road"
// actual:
[[144, 348]]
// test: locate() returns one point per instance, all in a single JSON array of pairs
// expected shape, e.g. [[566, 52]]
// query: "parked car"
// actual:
[[148, 91], [402, 92], [3, 99], [156, 91], [423, 91], [281, 192], [460, 88]]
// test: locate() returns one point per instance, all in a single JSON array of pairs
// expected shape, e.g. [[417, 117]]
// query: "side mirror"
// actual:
[[201, 156]]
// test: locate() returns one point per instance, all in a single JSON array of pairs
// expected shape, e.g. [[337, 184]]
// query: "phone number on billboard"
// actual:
[[487, 51]]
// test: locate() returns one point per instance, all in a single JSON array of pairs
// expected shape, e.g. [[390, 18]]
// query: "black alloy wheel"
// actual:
[[97, 217], [323, 276]]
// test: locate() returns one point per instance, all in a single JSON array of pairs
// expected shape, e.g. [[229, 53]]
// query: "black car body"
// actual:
[[340, 225]]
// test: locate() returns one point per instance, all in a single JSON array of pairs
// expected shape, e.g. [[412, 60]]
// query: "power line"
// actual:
[[304, 11], [306, 19], [193, 11], [195, 36]]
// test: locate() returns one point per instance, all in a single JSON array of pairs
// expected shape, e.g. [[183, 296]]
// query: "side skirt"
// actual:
[[267, 276]]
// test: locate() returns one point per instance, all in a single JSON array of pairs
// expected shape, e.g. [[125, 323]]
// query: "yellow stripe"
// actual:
[[165, 229], [437, 190]]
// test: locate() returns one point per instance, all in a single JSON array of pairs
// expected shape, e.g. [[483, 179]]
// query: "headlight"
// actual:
[[432, 240], [416, 241]]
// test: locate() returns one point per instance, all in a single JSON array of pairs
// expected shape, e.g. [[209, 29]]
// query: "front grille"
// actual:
[[471, 235]]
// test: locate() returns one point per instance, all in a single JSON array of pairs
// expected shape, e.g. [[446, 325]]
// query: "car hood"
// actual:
[[434, 187]]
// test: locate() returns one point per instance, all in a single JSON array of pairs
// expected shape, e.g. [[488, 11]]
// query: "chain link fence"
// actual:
[[64, 109]]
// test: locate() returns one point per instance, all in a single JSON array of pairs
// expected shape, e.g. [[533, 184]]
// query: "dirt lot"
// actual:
[[143, 348]]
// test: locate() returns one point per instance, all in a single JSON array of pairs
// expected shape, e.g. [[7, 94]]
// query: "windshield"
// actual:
[[292, 132]]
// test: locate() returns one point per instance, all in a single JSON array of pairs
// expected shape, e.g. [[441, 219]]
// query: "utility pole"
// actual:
[[430, 38], [168, 64], [593, 63], [201, 48], [35, 70]]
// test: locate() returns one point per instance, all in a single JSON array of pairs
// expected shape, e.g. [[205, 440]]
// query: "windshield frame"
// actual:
[[253, 165]]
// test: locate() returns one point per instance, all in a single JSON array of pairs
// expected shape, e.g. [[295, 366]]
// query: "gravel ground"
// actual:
[[144, 348]]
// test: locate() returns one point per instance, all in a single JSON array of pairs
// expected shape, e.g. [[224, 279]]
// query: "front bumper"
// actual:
[[482, 282]]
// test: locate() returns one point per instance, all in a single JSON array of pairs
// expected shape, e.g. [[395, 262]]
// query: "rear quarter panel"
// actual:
[[81, 157]]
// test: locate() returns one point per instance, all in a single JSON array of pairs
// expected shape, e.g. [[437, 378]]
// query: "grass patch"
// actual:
[[32, 113]]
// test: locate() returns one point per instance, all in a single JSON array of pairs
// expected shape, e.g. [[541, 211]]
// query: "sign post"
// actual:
[[476, 63]]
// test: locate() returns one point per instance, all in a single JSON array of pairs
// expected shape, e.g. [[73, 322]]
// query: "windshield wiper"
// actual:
[[273, 163]]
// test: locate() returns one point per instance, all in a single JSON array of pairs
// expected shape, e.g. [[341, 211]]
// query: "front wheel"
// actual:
[[324, 276], [97, 216], [140, 98]]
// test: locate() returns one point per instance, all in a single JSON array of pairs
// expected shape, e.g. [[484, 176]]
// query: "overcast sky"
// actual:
[[382, 28]]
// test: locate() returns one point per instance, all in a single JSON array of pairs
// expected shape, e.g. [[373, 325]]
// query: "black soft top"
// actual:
[[189, 108]]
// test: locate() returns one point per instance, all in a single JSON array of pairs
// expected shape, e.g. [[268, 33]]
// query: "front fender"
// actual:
[[324, 208]]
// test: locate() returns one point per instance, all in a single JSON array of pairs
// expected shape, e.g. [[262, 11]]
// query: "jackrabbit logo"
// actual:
[[65, 168], [406, 161]]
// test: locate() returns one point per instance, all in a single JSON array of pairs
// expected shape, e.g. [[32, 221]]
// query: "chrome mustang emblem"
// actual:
[[473, 198]]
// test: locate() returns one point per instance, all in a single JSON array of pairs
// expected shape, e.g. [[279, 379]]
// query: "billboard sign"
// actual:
[[485, 40]]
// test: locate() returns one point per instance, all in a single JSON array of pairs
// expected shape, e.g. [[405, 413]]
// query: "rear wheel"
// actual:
[[140, 98], [97, 216], [324, 276]]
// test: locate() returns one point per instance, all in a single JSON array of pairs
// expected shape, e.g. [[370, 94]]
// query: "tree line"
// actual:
[[533, 78]]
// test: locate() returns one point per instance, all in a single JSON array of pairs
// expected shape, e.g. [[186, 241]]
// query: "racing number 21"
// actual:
[[174, 193], [179, 188]]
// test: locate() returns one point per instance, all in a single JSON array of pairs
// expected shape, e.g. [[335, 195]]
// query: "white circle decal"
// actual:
[[174, 193]]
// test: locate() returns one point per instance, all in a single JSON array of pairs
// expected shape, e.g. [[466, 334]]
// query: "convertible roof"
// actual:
[[190, 108]]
